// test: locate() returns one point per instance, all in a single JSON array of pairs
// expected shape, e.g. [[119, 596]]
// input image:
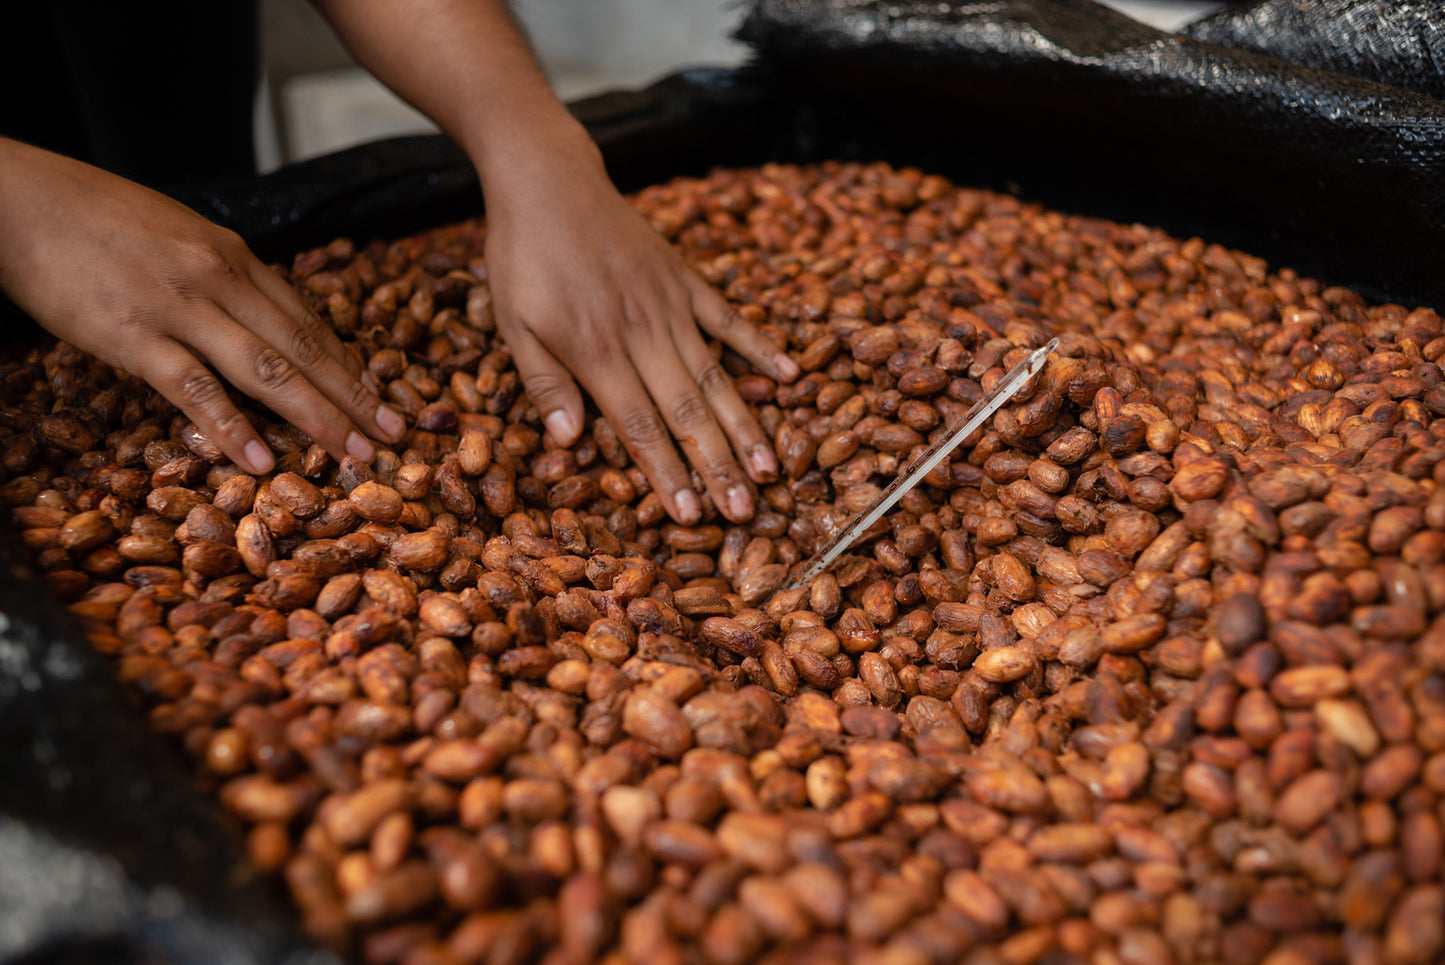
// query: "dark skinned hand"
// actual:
[[149, 286]]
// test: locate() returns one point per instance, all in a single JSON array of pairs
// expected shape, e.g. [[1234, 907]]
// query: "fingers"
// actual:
[[620, 394], [677, 371], [263, 371], [191, 387], [655, 380], [551, 387], [728, 408], [719, 320], [274, 312], [692, 422]]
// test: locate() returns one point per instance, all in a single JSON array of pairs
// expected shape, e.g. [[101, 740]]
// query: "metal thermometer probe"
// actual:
[[976, 416]]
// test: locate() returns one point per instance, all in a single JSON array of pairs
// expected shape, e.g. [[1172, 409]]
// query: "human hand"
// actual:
[[149, 286], [586, 291]]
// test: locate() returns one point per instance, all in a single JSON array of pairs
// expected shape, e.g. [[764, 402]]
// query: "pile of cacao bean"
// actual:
[[1152, 671]]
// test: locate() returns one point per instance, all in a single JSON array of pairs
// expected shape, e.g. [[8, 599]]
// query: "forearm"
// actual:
[[22, 170], [13, 320], [465, 64]]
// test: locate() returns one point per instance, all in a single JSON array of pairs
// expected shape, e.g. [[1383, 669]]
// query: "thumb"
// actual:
[[549, 384]]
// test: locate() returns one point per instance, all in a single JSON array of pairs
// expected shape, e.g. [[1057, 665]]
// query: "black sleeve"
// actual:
[[161, 92]]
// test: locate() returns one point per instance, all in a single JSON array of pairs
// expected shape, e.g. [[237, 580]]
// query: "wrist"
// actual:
[[532, 154]]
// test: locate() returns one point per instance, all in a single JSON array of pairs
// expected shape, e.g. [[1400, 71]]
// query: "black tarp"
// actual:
[[1399, 43], [107, 854]]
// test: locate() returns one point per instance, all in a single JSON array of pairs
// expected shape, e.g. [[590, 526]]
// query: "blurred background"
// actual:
[[315, 99]]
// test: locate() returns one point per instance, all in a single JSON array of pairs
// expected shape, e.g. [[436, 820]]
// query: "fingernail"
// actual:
[[369, 380], [356, 445], [689, 510], [259, 457], [763, 461], [559, 423], [391, 424], [740, 502], [787, 368]]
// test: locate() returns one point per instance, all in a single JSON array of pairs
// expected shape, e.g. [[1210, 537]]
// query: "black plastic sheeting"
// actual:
[[388, 187], [1396, 42], [106, 851]]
